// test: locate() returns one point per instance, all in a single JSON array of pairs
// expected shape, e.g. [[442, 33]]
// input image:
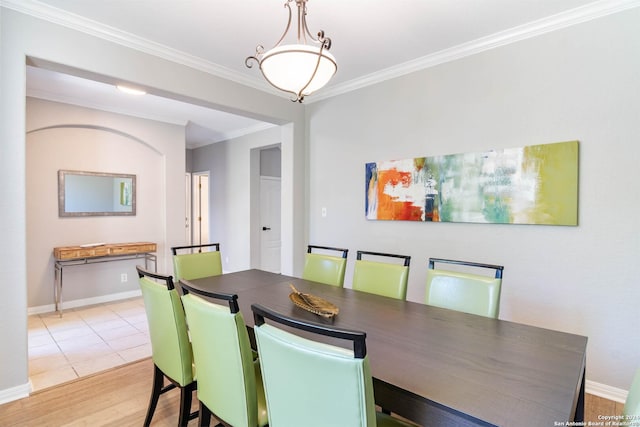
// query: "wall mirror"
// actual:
[[83, 193]]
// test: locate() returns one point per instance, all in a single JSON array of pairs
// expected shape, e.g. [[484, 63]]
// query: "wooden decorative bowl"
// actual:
[[312, 303]]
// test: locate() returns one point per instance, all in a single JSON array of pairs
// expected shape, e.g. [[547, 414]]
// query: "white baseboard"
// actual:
[[84, 302], [606, 391], [15, 393]]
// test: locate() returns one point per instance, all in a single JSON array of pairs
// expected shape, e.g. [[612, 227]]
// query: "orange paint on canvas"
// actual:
[[388, 206], [393, 177]]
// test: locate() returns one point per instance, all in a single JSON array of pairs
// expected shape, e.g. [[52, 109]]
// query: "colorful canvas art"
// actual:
[[536, 184]]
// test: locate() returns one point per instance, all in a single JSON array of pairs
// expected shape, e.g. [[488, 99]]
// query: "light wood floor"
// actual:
[[119, 397], [597, 406]]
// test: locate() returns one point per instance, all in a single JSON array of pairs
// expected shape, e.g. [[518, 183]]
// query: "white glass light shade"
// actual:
[[290, 67]]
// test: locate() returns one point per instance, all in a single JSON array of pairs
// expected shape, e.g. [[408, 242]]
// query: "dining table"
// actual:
[[434, 366]]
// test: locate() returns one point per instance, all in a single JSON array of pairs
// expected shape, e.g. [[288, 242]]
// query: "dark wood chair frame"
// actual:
[[158, 388], [328, 248], [497, 268], [406, 258], [232, 299], [358, 338], [175, 249]]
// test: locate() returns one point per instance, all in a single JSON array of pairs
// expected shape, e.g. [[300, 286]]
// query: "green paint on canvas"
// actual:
[[557, 192]]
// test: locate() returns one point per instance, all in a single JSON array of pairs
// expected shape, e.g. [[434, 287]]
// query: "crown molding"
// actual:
[[106, 32], [559, 21], [532, 29]]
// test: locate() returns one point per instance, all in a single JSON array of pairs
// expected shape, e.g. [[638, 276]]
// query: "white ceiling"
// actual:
[[372, 40]]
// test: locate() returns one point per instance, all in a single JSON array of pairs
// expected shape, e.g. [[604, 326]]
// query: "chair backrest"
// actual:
[[170, 346], [196, 264], [309, 383], [223, 359], [632, 404], [381, 278], [325, 268], [190, 249], [464, 291]]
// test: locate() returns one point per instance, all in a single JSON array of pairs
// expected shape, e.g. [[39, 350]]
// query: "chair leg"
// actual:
[[204, 416], [158, 382], [186, 394]]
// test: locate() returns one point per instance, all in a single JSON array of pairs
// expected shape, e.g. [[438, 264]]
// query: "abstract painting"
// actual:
[[536, 184]]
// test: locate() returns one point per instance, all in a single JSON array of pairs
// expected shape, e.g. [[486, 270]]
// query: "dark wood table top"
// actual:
[[437, 366]]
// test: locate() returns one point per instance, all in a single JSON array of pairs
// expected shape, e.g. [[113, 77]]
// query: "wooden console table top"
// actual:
[[64, 253]]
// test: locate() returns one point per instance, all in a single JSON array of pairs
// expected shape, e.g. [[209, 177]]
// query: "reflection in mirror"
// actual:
[[96, 193]]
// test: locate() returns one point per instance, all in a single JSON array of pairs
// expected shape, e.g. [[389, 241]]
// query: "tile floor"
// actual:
[[86, 340]]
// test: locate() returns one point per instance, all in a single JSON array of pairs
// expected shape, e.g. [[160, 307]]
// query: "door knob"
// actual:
[[266, 228]]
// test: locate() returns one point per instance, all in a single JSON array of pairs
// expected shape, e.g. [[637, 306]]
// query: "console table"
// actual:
[[68, 256]]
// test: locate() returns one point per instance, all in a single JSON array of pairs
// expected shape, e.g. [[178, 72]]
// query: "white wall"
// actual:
[[578, 83], [61, 136], [24, 38]]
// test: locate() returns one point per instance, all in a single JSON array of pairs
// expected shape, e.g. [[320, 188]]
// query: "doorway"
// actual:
[[187, 208], [200, 208], [270, 240], [266, 246]]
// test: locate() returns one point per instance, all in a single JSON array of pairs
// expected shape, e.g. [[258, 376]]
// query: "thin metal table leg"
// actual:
[[150, 257], [57, 288]]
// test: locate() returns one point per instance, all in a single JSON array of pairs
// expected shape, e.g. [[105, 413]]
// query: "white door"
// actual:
[[187, 209], [200, 208], [270, 224]]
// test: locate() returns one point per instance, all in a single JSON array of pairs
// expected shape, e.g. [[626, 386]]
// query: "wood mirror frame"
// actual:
[[82, 193]]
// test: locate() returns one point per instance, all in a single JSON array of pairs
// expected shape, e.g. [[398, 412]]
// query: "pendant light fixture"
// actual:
[[298, 68]]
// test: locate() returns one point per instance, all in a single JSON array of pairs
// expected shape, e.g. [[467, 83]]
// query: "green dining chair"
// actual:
[[197, 263], [310, 383], [325, 268], [381, 278], [170, 346], [632, 403], [229, 380], [464, 291]]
